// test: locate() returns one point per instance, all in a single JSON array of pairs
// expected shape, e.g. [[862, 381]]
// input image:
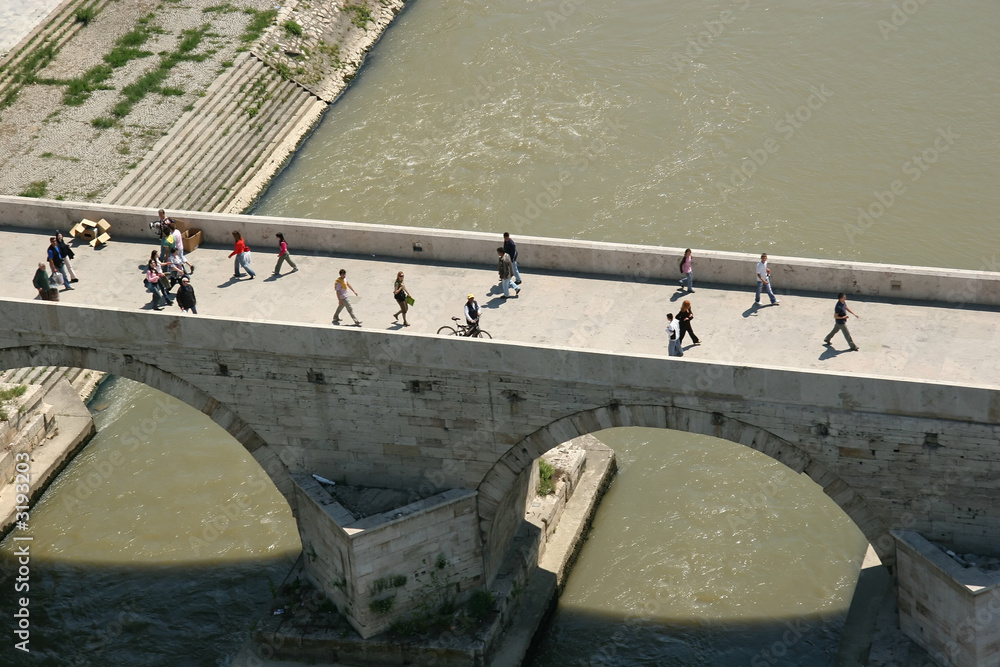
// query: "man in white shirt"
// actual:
[[673, 334], [764, 281], [179, 244]]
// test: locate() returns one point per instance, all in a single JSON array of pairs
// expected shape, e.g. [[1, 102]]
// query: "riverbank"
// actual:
[[43, 427], [89, 113]]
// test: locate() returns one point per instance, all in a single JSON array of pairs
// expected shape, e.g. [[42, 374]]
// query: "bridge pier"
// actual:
[[394, 564]]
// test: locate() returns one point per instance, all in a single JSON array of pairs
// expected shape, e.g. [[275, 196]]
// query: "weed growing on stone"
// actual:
[[362, 15], [259, 22], [152, 81], [293, 28], [545, 483], [12, 393], [85, 15], [37, 189]]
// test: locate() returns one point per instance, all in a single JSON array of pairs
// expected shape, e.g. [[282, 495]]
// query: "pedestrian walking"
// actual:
[[402, 296], [242, 253], [685, 267], [68, 255], [472, 314], [41, 282], [674, 345], [283, 255], [57, 264], [185, 296], [175, 267], [341, 285], [162, 225], [157, 280], [178, 238], [840, 322], [683, 319], [506, 267], [764, 281], [510, 248]]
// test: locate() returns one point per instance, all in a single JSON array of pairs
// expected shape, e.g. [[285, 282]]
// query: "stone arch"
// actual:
[[129, 367], [499, 514]]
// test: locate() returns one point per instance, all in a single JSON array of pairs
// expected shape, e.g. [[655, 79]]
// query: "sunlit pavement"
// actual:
[[937, 342]]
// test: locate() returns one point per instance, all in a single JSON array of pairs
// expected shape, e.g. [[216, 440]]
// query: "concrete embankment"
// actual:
[[205, 126], [44, 428]]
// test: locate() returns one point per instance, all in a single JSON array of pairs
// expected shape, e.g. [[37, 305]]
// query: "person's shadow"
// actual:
[[751, 311]]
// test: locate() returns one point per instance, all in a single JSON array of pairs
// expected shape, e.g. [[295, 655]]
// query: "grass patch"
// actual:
[[545, 473], [46, 154], [362, 15], [13, 392], [103, 122], [85, 15], [152, 81], [259, 22], [293, 28], [36, 189]]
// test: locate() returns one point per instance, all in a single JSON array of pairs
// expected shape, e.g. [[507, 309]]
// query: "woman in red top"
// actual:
[[242, 252]]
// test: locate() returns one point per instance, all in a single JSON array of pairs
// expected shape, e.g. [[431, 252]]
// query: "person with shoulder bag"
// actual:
[[242, 253], [402, 297], [67, 254]]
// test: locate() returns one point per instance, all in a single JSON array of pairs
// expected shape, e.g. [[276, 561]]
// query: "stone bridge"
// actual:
[[457, 423], [431, 415]]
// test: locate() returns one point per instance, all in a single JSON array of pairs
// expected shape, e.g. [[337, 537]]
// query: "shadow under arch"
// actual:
[[129, 367], [501, 509]]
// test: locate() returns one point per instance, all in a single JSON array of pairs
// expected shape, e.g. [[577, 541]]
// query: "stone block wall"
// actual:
[[951, 611], [390, 566], [427, 414]]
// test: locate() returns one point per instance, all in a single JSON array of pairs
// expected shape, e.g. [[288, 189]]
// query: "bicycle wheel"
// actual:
[[447, 330], [483, 334]]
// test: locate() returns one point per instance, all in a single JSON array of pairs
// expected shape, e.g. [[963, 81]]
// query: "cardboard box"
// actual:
[[191, 239]]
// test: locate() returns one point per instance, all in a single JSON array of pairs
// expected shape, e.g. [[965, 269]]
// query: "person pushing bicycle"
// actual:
[[472, 315]]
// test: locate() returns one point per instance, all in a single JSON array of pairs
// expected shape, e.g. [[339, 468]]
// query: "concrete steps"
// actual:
[[60, 27], [242, 123]]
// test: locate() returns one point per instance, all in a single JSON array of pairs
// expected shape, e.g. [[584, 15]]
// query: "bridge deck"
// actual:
[[923, 341]]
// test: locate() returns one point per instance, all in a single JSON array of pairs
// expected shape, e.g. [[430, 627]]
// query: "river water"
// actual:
[[851, 130]]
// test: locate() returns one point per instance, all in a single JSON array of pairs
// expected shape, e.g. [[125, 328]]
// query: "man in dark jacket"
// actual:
[[185, 296], [510, 248], [41, 283]]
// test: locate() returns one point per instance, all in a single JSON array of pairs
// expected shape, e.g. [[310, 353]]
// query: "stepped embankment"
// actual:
[[168, 105]]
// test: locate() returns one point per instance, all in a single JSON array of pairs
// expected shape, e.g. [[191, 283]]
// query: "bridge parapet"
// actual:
[[631, 262]]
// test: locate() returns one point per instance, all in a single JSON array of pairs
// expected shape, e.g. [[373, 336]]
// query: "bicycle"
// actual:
[[463, 330]]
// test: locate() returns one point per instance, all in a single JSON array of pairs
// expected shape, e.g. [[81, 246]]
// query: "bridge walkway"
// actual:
[[923, 341]]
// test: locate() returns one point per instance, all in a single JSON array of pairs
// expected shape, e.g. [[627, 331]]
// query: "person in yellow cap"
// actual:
[[472, 315]]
